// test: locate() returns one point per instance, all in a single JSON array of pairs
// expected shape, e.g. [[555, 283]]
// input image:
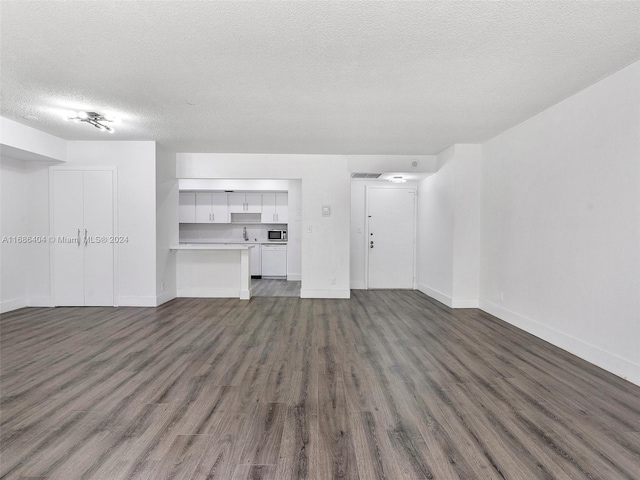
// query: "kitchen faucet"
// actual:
[[244, 234]]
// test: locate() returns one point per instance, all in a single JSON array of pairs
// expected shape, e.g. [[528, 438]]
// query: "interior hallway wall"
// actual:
[[560, 249], [166, 224], [13, 223], [449, 228]]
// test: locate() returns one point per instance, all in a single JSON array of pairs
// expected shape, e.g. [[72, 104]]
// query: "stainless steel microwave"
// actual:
[[277, 235]]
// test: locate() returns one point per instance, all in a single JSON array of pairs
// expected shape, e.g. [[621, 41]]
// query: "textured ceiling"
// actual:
[[305, 77]]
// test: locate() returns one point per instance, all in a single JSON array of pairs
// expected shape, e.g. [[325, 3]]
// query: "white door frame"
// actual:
[[116, 246], [368, 188]]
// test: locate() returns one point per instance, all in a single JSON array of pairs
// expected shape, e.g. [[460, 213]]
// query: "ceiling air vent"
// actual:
[[365, 175]]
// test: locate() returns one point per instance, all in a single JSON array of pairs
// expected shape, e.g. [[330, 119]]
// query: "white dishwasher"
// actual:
[[274, 260]]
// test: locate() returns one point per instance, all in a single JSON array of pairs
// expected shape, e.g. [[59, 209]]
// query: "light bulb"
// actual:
[[397, 180], [83, 115]]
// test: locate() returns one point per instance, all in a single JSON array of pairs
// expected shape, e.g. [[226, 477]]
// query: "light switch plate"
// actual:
[[326, 210]]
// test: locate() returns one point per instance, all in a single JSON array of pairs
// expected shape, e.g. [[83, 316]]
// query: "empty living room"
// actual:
[[319, 240]]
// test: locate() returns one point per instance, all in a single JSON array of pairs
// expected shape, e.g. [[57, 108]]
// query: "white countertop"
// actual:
[[212, 246]]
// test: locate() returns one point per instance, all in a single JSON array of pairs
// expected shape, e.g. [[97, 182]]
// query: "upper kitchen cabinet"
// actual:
[[245, 202], [275, 207], [187, 207], [211, 207]]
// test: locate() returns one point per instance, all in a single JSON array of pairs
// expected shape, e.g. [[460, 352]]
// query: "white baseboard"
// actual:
[[436, 295], [357, 285], [40, 302], [312, 293], [164, 298], [137, 301], [209, 292], [13, 304], [294, 277], [453, 302], [465, 302], [612, 363]]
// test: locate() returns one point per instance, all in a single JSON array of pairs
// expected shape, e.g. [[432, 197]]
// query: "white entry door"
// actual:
[[391, 237]]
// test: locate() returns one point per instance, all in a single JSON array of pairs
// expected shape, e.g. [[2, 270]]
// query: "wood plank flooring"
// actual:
[[263, 287], [386, 385]]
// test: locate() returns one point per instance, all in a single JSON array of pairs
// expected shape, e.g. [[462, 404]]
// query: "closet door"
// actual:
[[98, 236], [68, 249], [82, 222]]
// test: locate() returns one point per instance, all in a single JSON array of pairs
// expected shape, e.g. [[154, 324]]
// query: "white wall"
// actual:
[[13, 222], [435, 230], [449, 228], [136, 163], [37, 262], [294, 231], [166, 224], [560, 250], [257, 184], [466, 225], [393, 164], [20, 140], [325, 181]]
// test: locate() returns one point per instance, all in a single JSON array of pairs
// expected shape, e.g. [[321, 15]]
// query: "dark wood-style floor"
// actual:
[[386, 385], [262, 287]]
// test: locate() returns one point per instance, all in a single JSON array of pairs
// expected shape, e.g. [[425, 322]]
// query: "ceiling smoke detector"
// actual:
[[95, 119]]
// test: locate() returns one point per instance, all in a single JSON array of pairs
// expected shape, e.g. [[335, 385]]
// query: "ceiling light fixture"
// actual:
[[95, 119], [397, 179]]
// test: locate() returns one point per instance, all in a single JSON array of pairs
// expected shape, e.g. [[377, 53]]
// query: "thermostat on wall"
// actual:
[[326, 210]]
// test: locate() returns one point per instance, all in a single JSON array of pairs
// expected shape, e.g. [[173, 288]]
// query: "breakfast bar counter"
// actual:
[[213, 270]]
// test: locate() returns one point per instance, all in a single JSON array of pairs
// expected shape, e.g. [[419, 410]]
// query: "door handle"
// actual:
[[86, 239], [213, 217], [78, 237]]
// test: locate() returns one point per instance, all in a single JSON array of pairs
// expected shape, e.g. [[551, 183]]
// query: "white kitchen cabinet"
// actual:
[[240, 202], [187, 207], [82, 227], [211, 207], [275, 207]]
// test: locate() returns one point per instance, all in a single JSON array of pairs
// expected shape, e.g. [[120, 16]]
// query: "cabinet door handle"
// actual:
[[78, 237], [86, 239], [213, 217]]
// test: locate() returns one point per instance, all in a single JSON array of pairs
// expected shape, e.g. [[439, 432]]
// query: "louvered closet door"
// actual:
[[68, 249]]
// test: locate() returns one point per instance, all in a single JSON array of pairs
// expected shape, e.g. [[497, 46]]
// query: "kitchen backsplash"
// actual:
[[214, 233]]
